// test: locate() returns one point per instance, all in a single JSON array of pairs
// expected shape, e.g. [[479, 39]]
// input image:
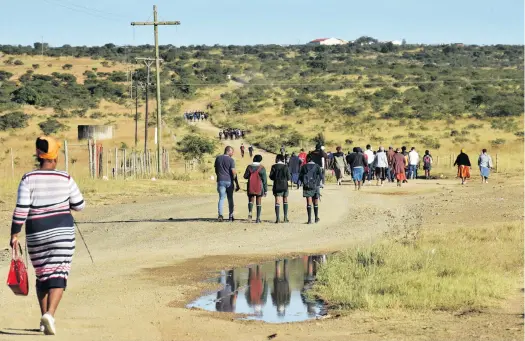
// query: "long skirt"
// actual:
[[401, 176], [484, 171], [51, 252], [464, 172]]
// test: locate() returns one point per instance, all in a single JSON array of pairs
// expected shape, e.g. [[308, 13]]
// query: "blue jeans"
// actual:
[[225, 190], [412, 171]]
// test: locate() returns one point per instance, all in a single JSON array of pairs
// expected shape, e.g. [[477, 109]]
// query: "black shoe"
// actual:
[[286, 220], [232, 219], [309, 222], [258, 221], [317, 220], [277, 221], [220, 219]]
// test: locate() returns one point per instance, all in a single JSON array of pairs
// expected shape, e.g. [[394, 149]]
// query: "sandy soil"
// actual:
[[150, 256]]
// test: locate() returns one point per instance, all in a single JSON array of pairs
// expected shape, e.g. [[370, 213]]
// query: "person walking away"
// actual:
[[310, 176], [242, 150], [257, 186], [250, 150], [220, 135], [46, 197], [427, 164], [302, 156], [226, 175], [358, 164], [319, 157], [399, 166], [381, 165], [463, 163], [413, 163], [283, 150], [280, 175], [390, 157], [405, 154], [370, 160], [339, 165], [295, 167], [485, 165]]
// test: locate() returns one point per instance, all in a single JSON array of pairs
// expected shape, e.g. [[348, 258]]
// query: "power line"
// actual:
[[80, 10], [95, 10]]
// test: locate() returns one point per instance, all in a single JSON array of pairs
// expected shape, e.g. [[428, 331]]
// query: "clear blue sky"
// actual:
[[249, 22]]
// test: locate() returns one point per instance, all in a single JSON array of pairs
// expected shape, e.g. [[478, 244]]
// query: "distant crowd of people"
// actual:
[[308, 170], [195, 116], [232, 134]]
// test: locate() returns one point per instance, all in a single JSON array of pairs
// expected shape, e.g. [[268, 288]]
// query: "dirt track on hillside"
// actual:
[[149, 258]]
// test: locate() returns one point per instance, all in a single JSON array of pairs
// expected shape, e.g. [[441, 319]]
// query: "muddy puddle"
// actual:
[[272, 292]]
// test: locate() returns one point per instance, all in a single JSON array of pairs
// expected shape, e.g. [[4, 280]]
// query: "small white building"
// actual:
[[328, 41]]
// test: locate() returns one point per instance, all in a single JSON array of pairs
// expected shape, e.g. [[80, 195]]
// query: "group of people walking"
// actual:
[[310, 176], [196, 116], [232, 134]]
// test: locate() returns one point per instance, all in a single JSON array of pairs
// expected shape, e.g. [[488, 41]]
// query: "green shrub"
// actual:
[[195, 147], [14, 120], [51, 126], [497, 142]]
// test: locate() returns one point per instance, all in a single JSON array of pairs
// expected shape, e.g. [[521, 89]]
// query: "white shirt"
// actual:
[[370, 155], [381, 160], [413, 158]]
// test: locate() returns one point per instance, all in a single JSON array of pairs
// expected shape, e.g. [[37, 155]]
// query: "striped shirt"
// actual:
[[45, 200]]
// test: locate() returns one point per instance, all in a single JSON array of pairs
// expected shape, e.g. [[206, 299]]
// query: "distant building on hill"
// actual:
[[328, 41]]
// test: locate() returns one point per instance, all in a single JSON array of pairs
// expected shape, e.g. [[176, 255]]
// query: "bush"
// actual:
[[14, 120], [195, 146], [18, 62], [67, 66], [4, 75], [51, 126], [35, 66], [497, 142]]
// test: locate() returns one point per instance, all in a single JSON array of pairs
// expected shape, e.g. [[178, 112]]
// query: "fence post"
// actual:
[[90, 158], [497, 163], [125, 166], [66, 156], [12, 163], [95, 159], [437, 161], [116, 163]]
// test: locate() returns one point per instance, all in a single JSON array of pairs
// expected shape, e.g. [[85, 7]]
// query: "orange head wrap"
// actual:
[[53, 146]]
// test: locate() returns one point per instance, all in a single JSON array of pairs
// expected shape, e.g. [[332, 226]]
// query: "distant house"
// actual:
[[328, 41]]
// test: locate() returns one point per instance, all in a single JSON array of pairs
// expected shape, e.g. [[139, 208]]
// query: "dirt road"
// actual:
[[151, 256]]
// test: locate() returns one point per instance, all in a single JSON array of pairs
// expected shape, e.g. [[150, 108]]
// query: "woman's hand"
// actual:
[[14, 240]]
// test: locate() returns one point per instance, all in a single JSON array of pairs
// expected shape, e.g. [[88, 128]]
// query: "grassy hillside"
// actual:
[[438, 97]]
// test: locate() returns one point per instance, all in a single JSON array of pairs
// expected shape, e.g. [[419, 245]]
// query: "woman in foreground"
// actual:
[[45, 200]]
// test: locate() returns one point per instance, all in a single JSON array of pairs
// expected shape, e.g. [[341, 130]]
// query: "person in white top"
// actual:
[[370, 160], [413, 163], [380, 165]]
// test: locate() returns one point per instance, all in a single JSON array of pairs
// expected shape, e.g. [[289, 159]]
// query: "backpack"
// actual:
[[280, 184], [310, 179], [426, 160], [255, 182]]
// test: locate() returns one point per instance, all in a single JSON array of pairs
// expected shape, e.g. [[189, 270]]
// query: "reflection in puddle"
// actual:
[[272, 292]]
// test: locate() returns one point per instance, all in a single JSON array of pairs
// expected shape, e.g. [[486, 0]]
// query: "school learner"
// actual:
[[310, 176], [280, 175], [242, 150], [250, 150], [257, 186]]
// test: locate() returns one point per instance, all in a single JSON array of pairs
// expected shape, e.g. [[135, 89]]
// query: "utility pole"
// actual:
[[155, 25], [136, 110], [148, 62]]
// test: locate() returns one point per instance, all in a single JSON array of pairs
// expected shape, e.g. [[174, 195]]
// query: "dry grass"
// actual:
[[465, 268], [80, 65]]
